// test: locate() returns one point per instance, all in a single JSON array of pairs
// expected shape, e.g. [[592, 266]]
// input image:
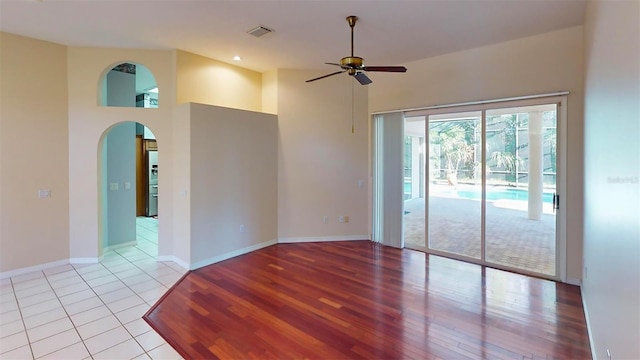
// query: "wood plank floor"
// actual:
[[359, 300]]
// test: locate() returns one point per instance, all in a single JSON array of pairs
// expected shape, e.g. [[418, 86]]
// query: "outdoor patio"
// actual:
[[512, 239]]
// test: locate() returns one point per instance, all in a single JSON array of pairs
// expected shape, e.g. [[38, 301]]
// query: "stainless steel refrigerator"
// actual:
[[152, 183]]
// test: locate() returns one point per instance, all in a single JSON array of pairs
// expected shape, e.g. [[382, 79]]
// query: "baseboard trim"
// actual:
[[175, 259], [232, 254], [322, 239], [30, 269], [586, 317]]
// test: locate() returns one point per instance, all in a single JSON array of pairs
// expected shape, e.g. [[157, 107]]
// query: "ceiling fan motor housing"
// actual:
[[353, 62]]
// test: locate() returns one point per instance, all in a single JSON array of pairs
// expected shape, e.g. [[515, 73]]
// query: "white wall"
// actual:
[[320, 160], [533, 65], [34, 152], [611, 283], [234, 162]]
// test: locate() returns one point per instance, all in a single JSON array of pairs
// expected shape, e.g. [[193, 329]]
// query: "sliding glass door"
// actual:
[[520, 221], [481, 185], [414, 181], [455, 150]]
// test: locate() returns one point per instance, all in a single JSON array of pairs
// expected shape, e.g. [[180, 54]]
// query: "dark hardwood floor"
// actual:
[[359, 300]]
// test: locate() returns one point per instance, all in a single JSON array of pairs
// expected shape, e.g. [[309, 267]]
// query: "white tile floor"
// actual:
[[89, 311]]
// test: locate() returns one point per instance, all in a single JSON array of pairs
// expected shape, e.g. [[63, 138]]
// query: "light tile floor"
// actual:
[[90, 311]]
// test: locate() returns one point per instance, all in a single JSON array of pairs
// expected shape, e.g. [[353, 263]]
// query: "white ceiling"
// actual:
[[307, 32]]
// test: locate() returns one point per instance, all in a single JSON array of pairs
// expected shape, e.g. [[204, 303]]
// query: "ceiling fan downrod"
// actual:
[[351, 20]]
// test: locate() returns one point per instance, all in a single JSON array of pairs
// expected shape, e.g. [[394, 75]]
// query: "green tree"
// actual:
[[502, 131], [454, 147]]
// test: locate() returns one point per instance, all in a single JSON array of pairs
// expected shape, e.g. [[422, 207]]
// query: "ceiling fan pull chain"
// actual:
[[353, 128]]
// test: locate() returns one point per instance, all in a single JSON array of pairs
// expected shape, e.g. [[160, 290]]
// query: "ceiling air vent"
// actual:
[[259, 31]]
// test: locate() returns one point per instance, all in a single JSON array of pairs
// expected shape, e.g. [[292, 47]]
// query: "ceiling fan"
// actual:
[[354, 65]]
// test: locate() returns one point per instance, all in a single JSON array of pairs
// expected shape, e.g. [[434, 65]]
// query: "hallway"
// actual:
[[147, 235]]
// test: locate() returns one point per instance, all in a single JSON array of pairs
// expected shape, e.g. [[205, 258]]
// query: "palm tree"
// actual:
[[454, 147]]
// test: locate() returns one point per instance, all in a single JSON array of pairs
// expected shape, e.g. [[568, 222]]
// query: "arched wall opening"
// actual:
[[128, 84], [127, 162]]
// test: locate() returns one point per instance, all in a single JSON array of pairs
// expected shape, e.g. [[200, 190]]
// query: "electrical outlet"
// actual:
[[242, 228], [44, 193], [341, 218], [325, 219], [585, 272]]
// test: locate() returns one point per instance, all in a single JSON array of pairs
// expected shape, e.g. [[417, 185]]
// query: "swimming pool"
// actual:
[[503, 194]]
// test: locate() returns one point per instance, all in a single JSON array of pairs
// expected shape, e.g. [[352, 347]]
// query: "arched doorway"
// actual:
[[129, 188]]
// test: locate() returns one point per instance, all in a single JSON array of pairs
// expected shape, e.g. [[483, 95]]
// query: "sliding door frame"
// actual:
[[561, 185]]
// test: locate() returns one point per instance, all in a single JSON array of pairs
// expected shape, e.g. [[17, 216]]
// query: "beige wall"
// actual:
[[33, 146], [234, 174], [73, 126], [320, 160], [270, 92], [182, 183], [207, 81], [533, 65], [611, 284]]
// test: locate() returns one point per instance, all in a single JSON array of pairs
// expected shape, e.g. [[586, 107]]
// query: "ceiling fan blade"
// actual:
[[336, 64], [362, 78], [385, 68], [324, 76]]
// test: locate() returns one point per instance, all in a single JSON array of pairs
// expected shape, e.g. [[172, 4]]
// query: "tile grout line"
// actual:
[[120, 256], [114, 315], [15, 295], [68, 315], [135, 292]]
